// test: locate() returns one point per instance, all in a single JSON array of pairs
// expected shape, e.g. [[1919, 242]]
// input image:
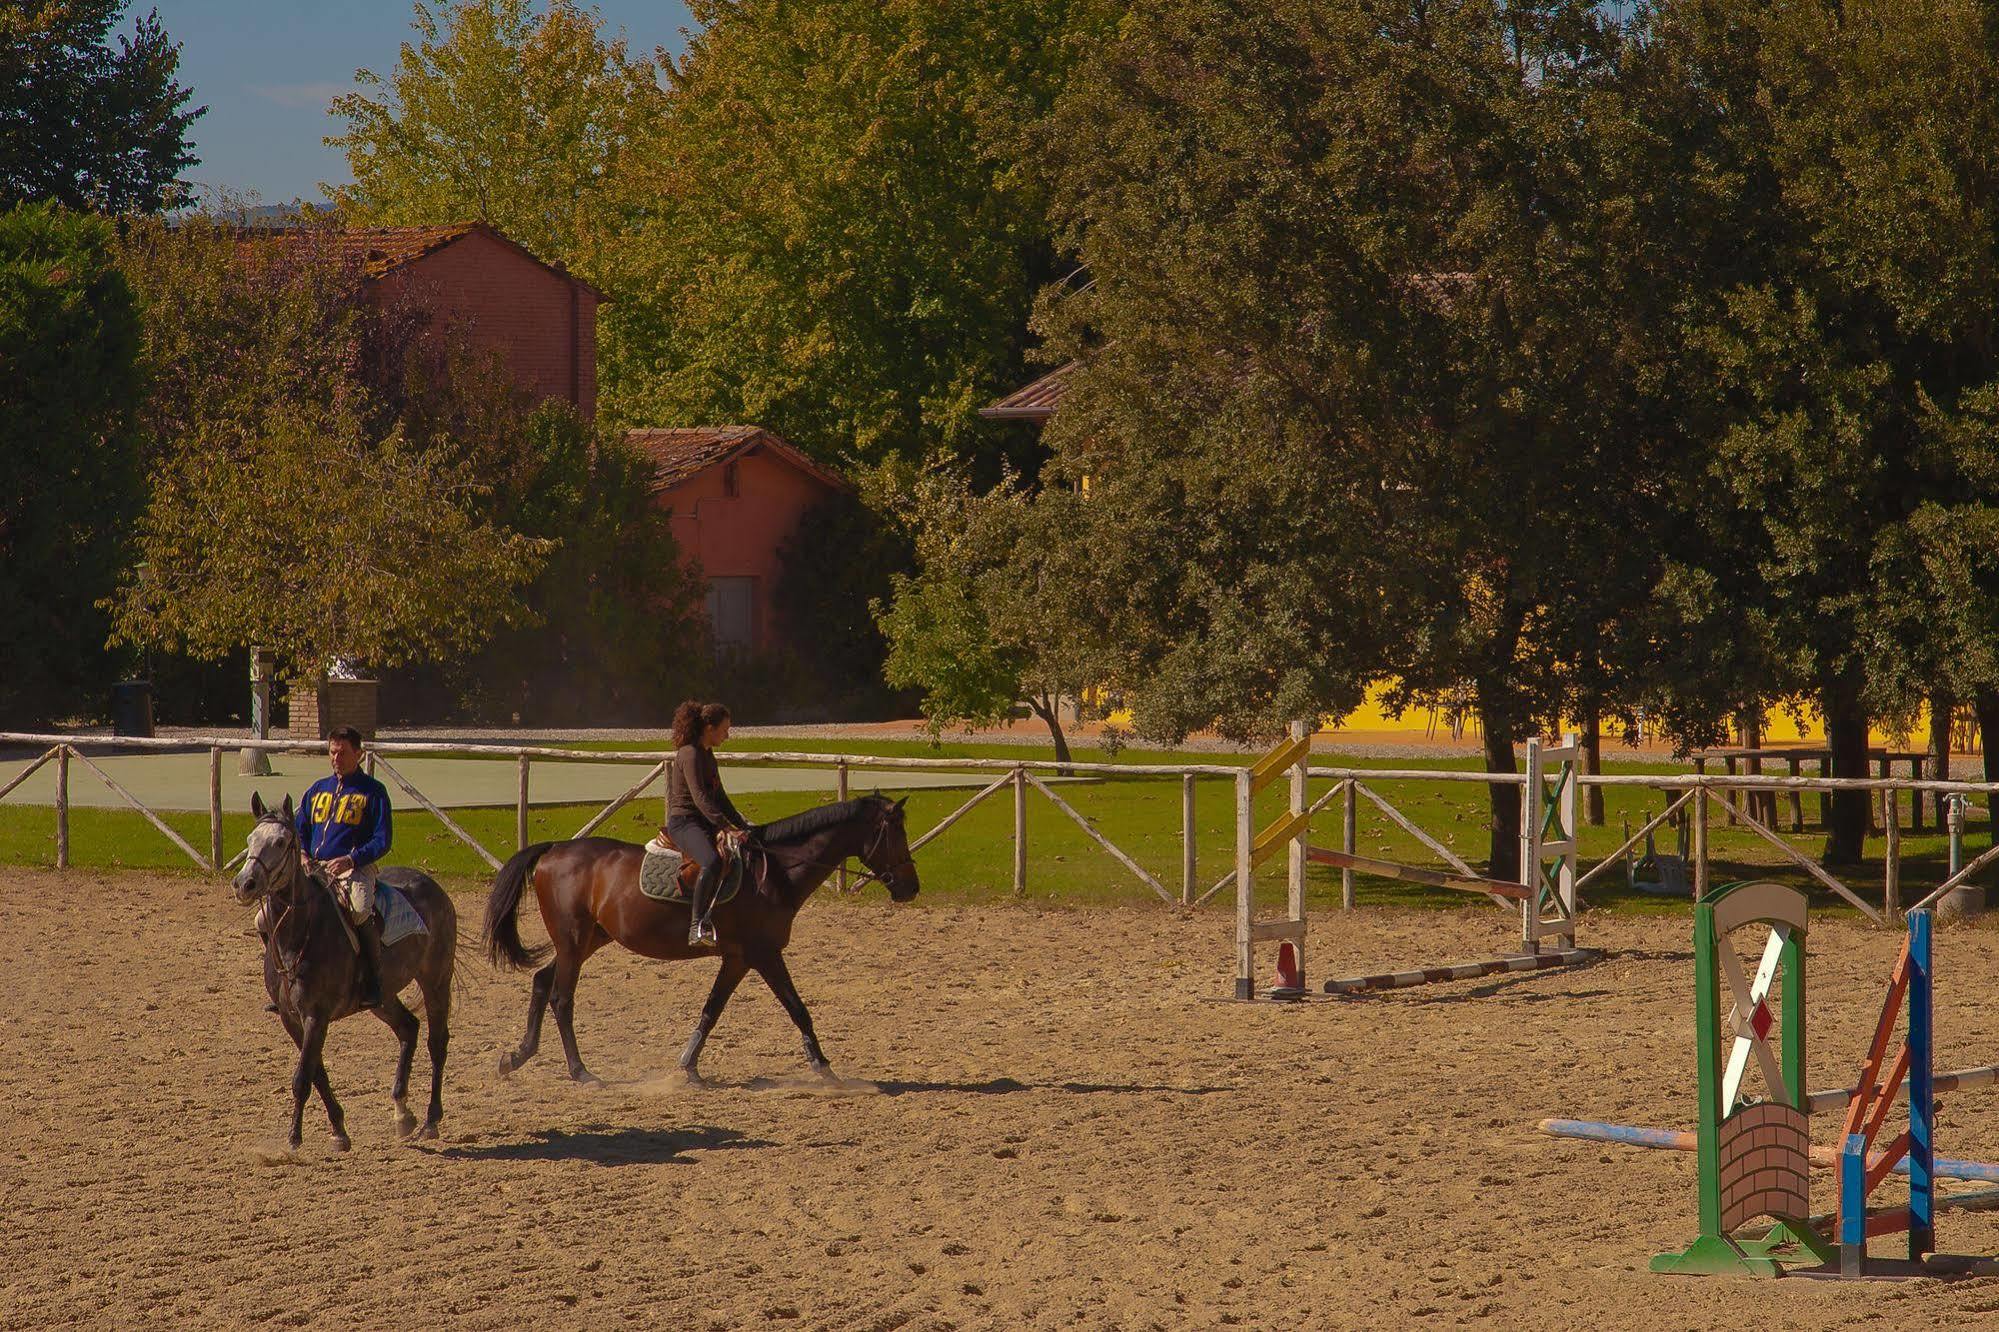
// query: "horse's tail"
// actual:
[[503, 931]]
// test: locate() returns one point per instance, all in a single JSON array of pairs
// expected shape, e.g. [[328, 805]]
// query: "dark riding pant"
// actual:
[[697, 842]]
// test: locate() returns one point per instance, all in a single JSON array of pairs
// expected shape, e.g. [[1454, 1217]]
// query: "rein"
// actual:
[[867, 853], [288, 898]]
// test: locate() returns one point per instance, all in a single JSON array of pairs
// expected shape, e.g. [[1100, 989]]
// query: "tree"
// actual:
[[86, 125], [1837, 202], [69, 395], [988, 618], [289, 507], [840, 559], [619, 635], [1361, 349], [837, 234], [502, 114]]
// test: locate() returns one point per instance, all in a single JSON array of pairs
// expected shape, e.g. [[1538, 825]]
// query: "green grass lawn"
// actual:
[[972, 861]]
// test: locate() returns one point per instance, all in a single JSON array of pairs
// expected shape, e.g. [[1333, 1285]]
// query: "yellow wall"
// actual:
[[1780, 726]]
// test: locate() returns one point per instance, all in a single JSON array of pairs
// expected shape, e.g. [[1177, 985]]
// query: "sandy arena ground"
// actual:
[[1053, 1123]]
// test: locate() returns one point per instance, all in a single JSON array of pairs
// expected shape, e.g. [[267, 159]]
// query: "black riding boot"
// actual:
[[700, 929], [370, 934]]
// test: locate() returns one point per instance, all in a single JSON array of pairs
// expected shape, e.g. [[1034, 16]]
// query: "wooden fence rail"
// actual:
[[1350, 786]]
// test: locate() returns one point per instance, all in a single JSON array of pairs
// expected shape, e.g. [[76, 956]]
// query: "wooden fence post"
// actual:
[[840, 793], [1347, 844], [521, 808], [1245, 887], [1020, 832], [1891, 865], [1294, 862], [215, 806], [1700, 843], [1187, 839], [62, 807]]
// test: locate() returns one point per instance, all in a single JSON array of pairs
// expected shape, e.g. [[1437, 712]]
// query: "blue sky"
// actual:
[[267, 68]]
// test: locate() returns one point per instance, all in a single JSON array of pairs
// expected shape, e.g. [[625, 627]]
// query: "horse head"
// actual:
[[270, 853], [887, 855]]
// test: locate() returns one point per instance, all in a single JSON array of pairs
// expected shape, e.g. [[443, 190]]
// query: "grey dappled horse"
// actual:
[[312, 971]]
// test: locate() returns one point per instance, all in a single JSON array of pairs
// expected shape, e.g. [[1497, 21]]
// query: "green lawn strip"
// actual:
[[972, 861]]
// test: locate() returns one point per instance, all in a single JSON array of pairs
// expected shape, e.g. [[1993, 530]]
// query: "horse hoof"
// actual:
[[341, 1142], [405, 1124], [428, 1133], [692, 1078], [585, 1078], [507, 1063]]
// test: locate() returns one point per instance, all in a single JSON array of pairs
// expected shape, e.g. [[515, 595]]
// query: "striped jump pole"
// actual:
[[1681, 1140], [1403, 980], [1958, 1079]]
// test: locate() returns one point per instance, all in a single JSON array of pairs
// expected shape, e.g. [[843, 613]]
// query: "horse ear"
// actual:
[[257, 804], [288, 807], [900, 803]]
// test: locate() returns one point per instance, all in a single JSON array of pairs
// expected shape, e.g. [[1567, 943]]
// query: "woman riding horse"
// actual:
[[589, 893], [697, 808]]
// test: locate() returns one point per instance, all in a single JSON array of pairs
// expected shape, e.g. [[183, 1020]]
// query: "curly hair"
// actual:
[[693, 717]]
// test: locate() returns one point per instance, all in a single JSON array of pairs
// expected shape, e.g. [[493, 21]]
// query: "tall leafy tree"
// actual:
[[617, 632], [506, 112], [297, 502], [69, 397], [1361, 349], [996, 611], [1837, 204], [87, 123], [837, 234]]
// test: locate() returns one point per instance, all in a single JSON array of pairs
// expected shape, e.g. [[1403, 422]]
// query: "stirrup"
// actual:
[[701, 931]]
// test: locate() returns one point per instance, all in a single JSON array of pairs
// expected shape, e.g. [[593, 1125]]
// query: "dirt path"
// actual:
[[1060, 1127]]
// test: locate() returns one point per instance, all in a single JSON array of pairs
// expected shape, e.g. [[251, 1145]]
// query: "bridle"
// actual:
[[876, 844], [285, 892], [873, 849]]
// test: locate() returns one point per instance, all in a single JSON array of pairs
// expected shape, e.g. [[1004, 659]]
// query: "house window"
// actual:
[[732, 613], [731, 487]]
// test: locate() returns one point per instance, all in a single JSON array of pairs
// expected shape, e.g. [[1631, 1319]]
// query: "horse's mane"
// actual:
[[803, 825]]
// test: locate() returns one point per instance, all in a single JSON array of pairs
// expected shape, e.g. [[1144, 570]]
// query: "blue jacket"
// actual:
[[345, 816]]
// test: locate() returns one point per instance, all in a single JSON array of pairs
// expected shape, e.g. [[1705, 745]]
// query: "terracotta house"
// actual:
[[541, 319], [736, 494]]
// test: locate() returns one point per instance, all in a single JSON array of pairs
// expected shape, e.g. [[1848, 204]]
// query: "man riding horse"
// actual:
[[344, 828]]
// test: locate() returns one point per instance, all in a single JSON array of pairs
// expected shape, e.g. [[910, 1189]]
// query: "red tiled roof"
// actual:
[[382, 250], [1036, 402], [682, 453]]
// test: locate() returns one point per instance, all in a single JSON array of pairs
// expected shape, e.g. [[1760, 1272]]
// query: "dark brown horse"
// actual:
[[588, 889], [311, 969]]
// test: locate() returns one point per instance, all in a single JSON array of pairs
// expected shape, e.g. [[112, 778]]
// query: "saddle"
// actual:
[[667, 875], [399, 916]]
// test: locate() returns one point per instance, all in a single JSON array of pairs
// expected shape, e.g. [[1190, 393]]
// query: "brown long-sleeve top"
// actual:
[[694, 790]]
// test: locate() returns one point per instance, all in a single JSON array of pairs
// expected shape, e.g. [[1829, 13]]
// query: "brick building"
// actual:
[[541, 319], [736, 494]]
